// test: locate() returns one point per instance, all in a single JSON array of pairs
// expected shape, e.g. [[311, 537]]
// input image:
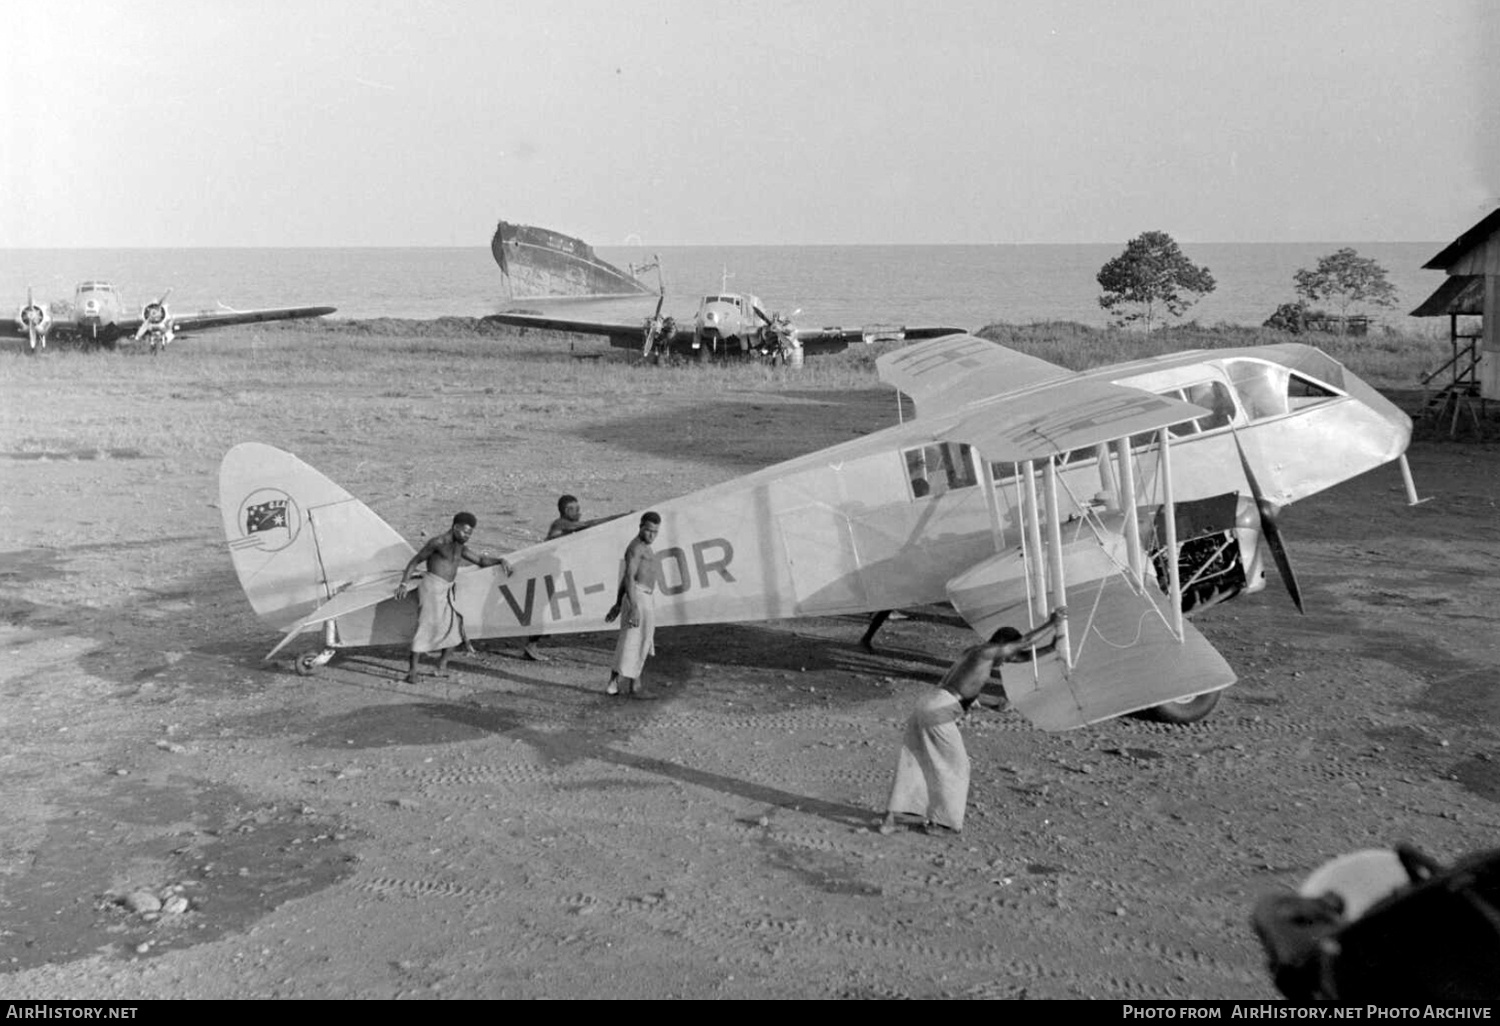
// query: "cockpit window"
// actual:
[[1260, 387], [935, 469], [1272, 390]]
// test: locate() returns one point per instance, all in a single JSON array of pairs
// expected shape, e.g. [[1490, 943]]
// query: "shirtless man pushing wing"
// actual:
[[440, 626]]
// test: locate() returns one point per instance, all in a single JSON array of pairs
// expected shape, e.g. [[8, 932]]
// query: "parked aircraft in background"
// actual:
[[1135, 494], [727, 325], [99, 317]]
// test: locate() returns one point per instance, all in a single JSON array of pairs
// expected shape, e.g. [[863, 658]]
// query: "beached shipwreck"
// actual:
[[539, 263]]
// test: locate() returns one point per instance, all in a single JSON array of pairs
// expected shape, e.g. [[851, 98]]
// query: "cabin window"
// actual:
[[935, 469], [1302, 392], [1215, 396], [1261, 388]]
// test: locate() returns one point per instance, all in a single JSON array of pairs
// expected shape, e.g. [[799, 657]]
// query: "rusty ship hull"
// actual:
[[538, 263]]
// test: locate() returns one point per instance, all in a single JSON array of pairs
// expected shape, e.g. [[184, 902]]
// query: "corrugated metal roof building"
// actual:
[[1472, 262]]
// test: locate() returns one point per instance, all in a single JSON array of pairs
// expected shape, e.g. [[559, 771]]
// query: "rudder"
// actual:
[[295, 537]]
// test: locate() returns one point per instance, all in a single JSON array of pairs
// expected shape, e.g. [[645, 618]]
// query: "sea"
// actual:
[[963, 286]]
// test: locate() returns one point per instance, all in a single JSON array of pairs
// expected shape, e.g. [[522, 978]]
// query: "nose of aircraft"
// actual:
[[1390, 428]]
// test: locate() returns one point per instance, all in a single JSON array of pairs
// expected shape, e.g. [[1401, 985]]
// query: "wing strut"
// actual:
[[1131, 522], [1059, 596], [1169, 514], [1035, 567]]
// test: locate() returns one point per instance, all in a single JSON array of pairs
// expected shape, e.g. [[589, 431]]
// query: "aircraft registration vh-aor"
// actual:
[[1137, 494], [727, 325], [99, 318]]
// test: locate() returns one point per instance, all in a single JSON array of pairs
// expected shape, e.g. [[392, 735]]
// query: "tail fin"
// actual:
[[295, 537]]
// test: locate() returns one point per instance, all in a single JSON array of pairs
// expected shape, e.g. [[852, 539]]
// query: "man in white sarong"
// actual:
[[932, 771], [440, 626], [636, 608]]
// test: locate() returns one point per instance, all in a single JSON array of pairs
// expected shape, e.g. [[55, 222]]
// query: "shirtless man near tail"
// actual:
[[440, 626]]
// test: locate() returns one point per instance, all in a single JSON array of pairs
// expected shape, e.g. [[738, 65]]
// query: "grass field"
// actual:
[[283, 370]]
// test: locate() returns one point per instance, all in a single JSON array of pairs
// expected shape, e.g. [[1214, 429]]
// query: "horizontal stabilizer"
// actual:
[[350, 600]]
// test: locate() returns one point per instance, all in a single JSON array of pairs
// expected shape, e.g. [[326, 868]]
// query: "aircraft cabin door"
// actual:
[[821, 554]]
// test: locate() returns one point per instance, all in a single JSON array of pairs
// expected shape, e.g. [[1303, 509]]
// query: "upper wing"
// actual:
[[1053, 420], [833, 340], [223, 318], [946, 373]]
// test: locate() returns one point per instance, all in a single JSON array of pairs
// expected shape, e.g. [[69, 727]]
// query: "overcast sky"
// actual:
[[364, 122]]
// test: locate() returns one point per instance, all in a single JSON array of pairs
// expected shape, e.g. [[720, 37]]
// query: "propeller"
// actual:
[[36, 320], [156, 318], [156, 313], [1270, 530], [654, 324]]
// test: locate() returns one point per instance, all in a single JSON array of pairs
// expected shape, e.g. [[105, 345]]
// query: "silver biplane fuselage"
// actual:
[[1001, 502]]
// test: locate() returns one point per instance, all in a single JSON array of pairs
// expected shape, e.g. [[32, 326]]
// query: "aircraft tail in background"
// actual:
[[296, 538]]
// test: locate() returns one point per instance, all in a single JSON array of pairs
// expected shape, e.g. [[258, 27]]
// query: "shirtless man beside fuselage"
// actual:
[[636, 608], [439, 624], [569, 521]]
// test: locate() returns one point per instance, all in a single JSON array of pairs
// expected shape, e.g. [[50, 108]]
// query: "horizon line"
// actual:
[[750, 245]]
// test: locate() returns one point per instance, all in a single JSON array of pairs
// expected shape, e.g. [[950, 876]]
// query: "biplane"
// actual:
[[727, 325], [1138, 495], [99, 318]]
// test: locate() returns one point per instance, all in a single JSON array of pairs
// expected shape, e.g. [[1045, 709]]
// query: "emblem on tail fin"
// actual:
[[268, 520]]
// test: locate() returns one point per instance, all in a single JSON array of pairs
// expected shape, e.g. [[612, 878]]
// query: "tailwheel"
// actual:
[[1189, 710], [308, 663]]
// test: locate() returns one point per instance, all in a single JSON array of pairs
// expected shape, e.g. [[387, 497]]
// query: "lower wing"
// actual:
[[1124, 654]]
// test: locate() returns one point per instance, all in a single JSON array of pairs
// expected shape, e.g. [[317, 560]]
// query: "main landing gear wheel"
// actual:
[[309, 663], [1189, 710]]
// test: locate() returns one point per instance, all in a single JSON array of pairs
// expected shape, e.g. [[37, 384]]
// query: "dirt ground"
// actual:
[[511, 832]]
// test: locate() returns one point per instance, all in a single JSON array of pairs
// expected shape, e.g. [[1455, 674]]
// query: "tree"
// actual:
[[1151, 275], [1345, 278]]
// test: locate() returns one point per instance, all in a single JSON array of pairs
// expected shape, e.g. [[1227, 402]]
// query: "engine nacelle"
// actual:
[[156, 325], [36, 320]]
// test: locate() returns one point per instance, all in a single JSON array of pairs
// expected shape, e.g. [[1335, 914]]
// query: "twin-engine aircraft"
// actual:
[[99, 318], [729, 325], [1137, 494]]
